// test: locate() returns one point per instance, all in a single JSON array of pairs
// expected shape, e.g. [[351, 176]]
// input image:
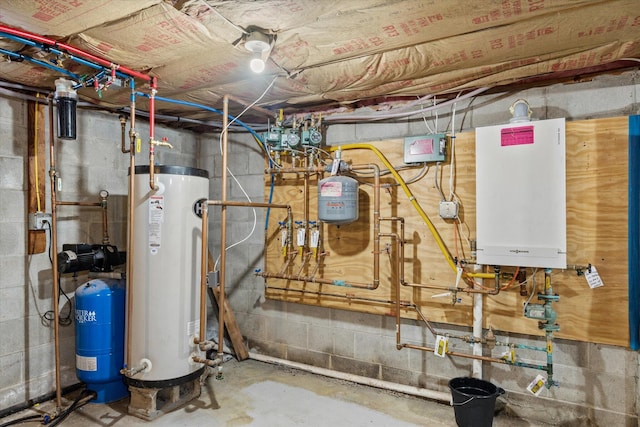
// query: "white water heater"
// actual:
[[165, 288]]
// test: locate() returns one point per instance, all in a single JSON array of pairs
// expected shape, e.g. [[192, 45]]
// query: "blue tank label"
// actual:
[[85, 316]]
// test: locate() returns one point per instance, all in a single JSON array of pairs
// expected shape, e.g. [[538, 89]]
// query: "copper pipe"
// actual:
[[319, 256], [250, 204], [130, 225], [333, 295], [203, 272], [152, 168], [401, 241], [305, 210], [290, 257], [397, 286], [54, 254], [400, 255], [123, 124], [205, 252], [152, 112], [223, 221], [310, 279], [103, 205], [435, 287], [456, 354], [376, 221], [424, 319], [305, 258], [466, 290], [215, 362], [309, 169], [93, 204], [105, 226]]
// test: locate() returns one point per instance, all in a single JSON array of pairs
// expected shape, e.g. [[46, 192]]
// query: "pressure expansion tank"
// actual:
[[165, 287], [99, 317], [338, 200]]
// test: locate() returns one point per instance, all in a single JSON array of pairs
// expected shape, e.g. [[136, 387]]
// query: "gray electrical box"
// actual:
[[425, 148]]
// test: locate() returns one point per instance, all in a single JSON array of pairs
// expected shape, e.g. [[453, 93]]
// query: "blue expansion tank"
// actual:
[[99, 316]]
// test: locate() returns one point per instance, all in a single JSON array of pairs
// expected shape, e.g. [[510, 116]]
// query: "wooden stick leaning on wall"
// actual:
[[237, 341]]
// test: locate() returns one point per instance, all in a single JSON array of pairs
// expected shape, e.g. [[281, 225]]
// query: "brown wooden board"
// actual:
[[230, 322], [596, 167], [37, 177]]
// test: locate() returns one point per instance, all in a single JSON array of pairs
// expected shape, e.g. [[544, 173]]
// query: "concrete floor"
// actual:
[[258, 394]]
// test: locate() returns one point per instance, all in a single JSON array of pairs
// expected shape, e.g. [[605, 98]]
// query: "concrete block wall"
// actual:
[[598, 384], [87, 165]]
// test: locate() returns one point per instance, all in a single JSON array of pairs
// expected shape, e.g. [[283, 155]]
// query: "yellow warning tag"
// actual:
[[138, 145]]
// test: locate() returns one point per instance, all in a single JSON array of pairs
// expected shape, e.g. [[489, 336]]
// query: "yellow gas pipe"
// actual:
[[414, 202]]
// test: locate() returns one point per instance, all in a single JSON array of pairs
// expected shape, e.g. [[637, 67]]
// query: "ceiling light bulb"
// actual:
[[256, 64]]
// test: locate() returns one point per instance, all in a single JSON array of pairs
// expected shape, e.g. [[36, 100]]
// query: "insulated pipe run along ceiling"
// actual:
[[331, 55]]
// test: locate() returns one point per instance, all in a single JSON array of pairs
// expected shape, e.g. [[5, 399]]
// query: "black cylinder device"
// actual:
[[86, 257], [66, 101]]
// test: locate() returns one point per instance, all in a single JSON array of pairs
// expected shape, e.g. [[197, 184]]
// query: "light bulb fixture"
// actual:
[[257, 64], [259, 45]]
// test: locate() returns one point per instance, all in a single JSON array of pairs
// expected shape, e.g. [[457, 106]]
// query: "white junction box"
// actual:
[[448, 210], [37, 220], [521, 194]]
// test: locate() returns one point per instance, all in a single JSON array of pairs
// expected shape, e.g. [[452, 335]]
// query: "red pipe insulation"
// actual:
[[74, 50]]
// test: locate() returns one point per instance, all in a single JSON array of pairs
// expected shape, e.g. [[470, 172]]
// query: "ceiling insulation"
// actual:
[[325, 53]]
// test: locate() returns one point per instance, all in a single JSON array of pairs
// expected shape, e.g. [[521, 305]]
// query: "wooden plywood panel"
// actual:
[[596, 233], [37, 177]]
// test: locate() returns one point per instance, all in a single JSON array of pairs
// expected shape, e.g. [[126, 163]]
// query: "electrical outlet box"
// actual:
[[425, 148], [37, 220], [448, 210]]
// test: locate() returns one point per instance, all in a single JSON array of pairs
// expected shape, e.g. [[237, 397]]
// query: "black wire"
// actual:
[[77, 404], [26, 419], [50, 238], [49, 315], [62, 320]]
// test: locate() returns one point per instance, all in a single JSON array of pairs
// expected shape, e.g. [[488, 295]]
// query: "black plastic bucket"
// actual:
[[474, 401]]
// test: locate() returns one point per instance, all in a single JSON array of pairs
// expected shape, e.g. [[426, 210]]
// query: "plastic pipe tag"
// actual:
[[283, 237], [315, 238], [442, 346], [300, 236], [537, 385], [458, 275], [593, 278]]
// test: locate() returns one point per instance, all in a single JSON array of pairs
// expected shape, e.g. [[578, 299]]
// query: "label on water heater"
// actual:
[[156, 218], [156, 209], [84, 363]]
